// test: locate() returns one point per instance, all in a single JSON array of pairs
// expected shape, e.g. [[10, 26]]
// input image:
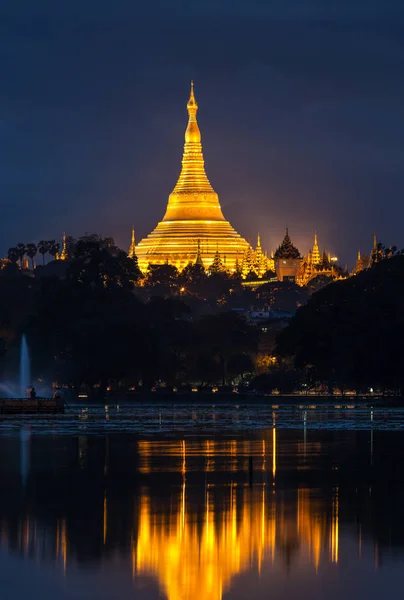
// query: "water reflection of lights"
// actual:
[[197, 539], [197, 557]]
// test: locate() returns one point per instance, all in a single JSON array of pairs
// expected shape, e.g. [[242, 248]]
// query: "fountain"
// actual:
[[20, 388], [16, 396], [25, 368]]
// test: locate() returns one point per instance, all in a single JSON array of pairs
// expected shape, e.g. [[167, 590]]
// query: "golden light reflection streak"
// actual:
[[183, 489], [335, 528], [184, 458], [263, 521], [273, 447], [64, 545], [264, 455], [209, 461]]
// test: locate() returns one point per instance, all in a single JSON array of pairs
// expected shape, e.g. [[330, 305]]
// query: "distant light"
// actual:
[[334, 258]]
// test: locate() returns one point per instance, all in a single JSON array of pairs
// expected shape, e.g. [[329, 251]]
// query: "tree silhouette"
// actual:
[[239, 365], [43, 247], [164, 278], [97, 263], [53, 248], [31, 252], [21, 249], [13, 254], [350, 330]]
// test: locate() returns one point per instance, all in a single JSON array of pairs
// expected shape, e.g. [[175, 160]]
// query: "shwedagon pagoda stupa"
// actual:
[[193, 227]]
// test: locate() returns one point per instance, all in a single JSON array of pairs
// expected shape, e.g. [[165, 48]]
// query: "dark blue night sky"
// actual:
[[301, 113]]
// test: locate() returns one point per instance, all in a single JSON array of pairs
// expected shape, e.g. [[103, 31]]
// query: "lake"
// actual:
[[203, 503]]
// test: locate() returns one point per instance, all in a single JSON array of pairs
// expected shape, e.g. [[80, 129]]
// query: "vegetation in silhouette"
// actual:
[[53, 248], [31, 252], [21, 250], [239, 365], [103, 324], [13, 254], [98, 263], [193, 279], [223, 335], [164, 279], [281, 377], [318, 282], [43, 249], [350, 332]]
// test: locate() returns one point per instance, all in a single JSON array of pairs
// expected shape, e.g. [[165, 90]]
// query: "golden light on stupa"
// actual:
[[193, 220]]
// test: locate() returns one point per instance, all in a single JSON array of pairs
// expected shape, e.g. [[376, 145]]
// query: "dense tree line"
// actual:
[[349, 334], [93, 326], [101, 322]]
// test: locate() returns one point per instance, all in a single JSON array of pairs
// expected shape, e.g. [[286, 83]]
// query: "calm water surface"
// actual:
[[203, 503]]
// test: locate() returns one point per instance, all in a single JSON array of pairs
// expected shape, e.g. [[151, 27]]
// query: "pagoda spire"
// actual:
[[64, 254], [193, 212], [132, 247], [315, 253], [217, 264], [199, 260], [193, 177]]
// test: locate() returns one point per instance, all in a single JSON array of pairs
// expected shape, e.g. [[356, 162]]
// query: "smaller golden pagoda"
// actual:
[[64, 255], [193, 226], [132, 247], [315, 252]]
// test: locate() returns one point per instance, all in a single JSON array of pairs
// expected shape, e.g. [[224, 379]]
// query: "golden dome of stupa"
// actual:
[[193, 217]]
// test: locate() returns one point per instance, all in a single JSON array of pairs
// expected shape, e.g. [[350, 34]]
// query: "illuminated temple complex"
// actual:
[[193, 218]]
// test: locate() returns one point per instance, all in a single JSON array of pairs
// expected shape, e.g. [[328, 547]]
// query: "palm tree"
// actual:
[[43, 249], [13, 254], [31, 252], [21, 249], [53, 248]]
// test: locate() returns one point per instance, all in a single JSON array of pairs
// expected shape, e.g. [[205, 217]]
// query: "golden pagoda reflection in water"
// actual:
[[195, 554], [192, 518]]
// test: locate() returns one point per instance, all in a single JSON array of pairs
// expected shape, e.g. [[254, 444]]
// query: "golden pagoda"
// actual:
[[64, 255], [132, 247], [193, 213], [315, 252]]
